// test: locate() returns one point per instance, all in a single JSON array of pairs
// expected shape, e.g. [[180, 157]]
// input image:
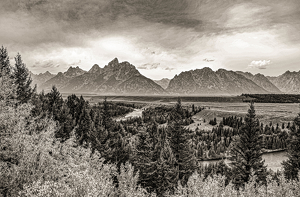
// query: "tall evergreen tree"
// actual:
[[55, 102], [99, 134], [106, 118], [142, 159], [7, 83], [72, 102], [80, 105], [7, 91], [66, 124], [164, 175], [22, 80], [246, 152], [292, 165], [84, 127], [185, 160], [5, 68]]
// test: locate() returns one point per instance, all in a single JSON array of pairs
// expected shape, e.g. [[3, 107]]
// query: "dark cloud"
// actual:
[[174, 31], [96, 13], [73, 22]]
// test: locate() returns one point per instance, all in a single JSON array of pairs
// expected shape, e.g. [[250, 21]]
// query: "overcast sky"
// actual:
[[160, 37]]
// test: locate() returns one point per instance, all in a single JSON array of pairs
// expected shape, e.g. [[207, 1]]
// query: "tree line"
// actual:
[[272, 98]]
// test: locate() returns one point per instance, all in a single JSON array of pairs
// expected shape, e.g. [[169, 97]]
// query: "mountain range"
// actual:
[[123, 78], [114, 78]]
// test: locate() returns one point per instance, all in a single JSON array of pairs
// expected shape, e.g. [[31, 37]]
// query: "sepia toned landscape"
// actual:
[[146, 98]]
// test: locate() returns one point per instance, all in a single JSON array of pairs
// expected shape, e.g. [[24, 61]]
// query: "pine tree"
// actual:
[[55, 102], [184, 157], [142, 160], [154, 159], [66, 124], [164, 174], [99, 128], [5, 68], [246, 152], [23, 81], [292, 165], [7, 83], [185, 160], [80, 104], [107, 121], [72, 102], [99, 134], [7, 91], [84, 127]]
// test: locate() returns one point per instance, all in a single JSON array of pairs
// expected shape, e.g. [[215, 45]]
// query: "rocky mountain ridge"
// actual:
[[124, 78], [205, 81], [262, 81], [114, 78], [288, 82]]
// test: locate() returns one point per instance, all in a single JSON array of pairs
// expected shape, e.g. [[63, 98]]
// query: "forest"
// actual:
[[272, 98], [50, 146]]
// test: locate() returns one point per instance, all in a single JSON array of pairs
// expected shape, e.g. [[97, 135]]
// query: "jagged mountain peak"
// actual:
[[47, 73], [114, 62], [74, 71], [95, 69], [71, 68]]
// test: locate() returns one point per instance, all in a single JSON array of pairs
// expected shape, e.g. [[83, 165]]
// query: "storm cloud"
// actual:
[[180, 33]]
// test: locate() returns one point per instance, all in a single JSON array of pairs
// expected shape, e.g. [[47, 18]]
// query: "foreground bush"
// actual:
[[214, 186], [34, 163]]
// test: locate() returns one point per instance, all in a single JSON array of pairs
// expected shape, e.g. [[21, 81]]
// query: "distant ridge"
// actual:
[[288, 82], [163, 82], [41, 78], [262, 81], [207, 82]]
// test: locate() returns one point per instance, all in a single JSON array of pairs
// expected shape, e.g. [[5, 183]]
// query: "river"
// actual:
[[134, 113], [273, 160]]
